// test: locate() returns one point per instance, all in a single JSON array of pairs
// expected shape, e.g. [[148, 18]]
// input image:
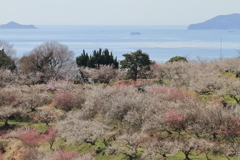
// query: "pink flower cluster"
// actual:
[[172, 93], [131, 83], [65, 101]]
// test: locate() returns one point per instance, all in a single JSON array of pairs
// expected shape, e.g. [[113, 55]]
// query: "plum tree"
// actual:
[[7, 111], [53, 59], [76, 130], [101, 74]]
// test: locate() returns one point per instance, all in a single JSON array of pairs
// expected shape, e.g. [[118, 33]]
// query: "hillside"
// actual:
[[178, 110], [224, 22], [189, 111]]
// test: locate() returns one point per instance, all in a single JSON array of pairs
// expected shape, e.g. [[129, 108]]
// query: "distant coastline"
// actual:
[[161, 42], [223, 22], [14, 25]]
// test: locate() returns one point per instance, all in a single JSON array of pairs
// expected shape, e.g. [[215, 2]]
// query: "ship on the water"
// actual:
[[135, 33]]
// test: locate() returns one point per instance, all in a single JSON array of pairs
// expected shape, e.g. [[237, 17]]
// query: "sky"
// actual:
[[114, 12]]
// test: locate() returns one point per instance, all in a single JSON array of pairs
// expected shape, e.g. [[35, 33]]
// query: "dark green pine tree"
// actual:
[[91, 62], [100, 57], [82, 60], [136, 64]]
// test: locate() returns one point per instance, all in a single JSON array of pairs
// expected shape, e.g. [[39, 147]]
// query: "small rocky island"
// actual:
[[224, 22], [14, 25]]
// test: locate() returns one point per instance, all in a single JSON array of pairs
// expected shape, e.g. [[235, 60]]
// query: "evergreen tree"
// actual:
[[177, 59], [83, 59], [100, 57], [136, 64]]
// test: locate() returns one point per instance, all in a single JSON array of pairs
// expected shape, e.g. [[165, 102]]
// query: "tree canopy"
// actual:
[[8, 48], [177, 58], [6, 62], [136, 64], [100, 57], [53, 59]]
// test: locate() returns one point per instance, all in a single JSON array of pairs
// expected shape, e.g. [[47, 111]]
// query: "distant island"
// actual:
[[14, 25], [224, 22]]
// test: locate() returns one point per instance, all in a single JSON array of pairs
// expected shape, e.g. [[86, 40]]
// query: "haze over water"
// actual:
[[160, 42]]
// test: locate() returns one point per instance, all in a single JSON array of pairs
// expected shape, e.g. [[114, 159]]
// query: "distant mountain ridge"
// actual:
[[14, 25], [225, 22]]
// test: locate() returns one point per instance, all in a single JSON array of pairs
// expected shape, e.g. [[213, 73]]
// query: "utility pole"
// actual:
[[221, 49]]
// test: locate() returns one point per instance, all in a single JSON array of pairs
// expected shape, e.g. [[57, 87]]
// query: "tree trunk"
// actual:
[[214, 136], [197, 135], [168, 131], [91, 142], [6, 125], [207, 157], [164, 156], [187, 155]]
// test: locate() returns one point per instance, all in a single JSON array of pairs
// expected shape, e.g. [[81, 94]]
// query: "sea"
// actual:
[[161, 42]]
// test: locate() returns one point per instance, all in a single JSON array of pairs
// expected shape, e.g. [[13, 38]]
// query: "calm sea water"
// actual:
[[160, 42]]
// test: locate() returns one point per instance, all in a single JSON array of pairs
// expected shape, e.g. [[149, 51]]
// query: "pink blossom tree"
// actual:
[[171, 94], [51, 136], [69, 100], [176, 121], [31, 138], [230, 129]]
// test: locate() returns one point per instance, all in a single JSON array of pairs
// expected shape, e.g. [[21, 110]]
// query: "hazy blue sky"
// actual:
[[114, 12]]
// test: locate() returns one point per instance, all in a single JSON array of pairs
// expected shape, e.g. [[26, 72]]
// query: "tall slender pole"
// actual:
[[221, 49]]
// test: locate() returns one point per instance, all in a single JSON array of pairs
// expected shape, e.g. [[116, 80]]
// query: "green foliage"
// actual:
[[137, 64], [178, 58], [6, 62], [100, 57]]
